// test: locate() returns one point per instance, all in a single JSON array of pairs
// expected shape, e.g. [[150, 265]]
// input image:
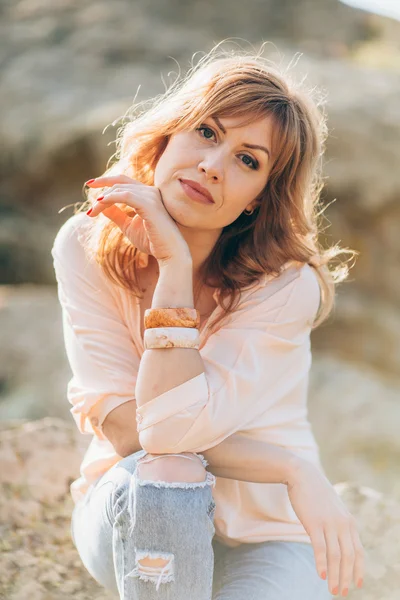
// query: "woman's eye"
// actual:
[[206, 130], [252, 163], [247, 160]]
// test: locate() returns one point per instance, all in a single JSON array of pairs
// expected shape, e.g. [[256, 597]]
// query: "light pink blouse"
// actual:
[[255, 382]]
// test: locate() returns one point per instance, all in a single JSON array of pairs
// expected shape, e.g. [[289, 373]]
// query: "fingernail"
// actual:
[[335, 590], [360, 582], [323, 574], [89, 181], [345, 592], [101, 198], [89, 211]]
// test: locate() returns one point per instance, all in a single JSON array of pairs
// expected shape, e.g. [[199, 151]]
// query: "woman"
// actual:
[[189, 291]]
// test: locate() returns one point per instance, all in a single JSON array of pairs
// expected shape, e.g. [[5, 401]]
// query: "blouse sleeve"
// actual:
[[99, 348], [248, 367]]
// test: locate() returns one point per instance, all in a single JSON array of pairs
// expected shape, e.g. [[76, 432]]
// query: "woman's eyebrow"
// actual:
[[256, 147], [252, 146]]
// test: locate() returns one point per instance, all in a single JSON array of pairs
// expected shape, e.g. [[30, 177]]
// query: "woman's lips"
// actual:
[[194, 194]]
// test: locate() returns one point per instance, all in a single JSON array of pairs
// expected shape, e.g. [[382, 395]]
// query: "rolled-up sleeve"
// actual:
[[99, 347], [249, 366]]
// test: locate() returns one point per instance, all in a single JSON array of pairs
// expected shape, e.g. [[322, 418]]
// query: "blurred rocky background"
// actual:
[[68, 70]]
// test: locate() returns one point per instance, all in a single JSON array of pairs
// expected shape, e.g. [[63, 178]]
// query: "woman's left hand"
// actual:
[[332, 529], [152, 230]]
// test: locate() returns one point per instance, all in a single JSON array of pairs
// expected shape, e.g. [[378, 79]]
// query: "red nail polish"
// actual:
[[101, 198], [335, 590], [345, 592], [323, 574], [89, 211], [360, 582], [89, 181]]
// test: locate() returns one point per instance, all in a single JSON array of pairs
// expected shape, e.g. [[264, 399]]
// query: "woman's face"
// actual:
[[218, 156]]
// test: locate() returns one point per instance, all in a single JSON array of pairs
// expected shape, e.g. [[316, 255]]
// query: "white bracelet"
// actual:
[[172, 337]]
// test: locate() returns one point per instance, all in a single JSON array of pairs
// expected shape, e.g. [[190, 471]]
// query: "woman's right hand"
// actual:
[[151, 230], [333, 530]]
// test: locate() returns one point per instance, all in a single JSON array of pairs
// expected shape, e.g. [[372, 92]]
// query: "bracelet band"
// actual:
[[171, 337], [171, 317]]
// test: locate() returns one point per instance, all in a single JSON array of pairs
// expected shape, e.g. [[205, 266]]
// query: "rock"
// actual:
[[33, 365], [38, 460], [355, 416], [364, 328], [378, 520]]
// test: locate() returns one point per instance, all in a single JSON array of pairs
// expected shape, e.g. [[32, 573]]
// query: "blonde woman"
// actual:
[[188, 293]]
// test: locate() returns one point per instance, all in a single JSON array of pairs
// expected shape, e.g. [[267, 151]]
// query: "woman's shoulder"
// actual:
[[73, 252], [294, 275], [70, 238], [295, 288], [77, 240], [299, 292], [300, 276]]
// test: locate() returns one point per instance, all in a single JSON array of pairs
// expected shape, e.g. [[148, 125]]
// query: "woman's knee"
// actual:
[[186, 467]]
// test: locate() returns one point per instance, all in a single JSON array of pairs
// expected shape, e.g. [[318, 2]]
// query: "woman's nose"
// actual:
[[212, 167]]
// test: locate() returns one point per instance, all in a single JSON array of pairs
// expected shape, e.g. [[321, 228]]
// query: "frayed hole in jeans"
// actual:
[[157, 567]]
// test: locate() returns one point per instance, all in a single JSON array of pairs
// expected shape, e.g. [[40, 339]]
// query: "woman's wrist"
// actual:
[[294, 469], [300, 470], [184, 260], [174, 287]]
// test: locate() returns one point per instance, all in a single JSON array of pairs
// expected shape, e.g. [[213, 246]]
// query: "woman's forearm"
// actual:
[[165, 369], [252, 460]]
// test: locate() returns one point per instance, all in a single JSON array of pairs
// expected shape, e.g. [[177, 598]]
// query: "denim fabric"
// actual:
[[123, 519]]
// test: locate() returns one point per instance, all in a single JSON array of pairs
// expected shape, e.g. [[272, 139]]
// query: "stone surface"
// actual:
[[378, 520], [39, 460], [33, 366], [364, 327], [355, 415]]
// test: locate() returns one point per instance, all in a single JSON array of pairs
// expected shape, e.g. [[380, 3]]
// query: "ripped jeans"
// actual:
[[123, 521]]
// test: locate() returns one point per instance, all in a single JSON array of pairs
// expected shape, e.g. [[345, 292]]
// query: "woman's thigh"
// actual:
[[269, 571]]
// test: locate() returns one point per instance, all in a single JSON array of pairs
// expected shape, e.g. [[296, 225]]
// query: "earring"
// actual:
[[247, 212]]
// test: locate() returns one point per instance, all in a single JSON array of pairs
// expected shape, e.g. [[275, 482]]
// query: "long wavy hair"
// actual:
[[286, 224]]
